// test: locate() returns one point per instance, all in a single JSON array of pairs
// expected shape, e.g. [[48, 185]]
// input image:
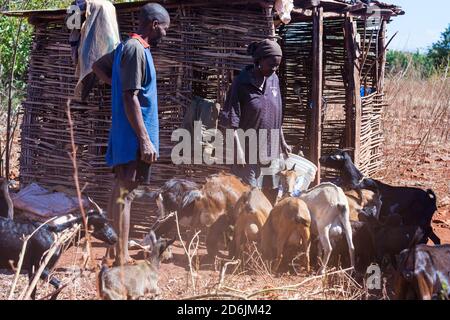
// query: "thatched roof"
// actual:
[[301, 7]]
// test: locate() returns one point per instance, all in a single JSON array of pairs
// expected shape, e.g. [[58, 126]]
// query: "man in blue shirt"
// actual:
[[134, 135]]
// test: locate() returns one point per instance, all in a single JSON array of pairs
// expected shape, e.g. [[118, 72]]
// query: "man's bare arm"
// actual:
[[134, 115], [286, 149]]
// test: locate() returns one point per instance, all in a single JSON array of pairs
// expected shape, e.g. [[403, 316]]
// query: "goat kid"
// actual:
[[289, 221], [250, 214], [330, 215], [131, 282]]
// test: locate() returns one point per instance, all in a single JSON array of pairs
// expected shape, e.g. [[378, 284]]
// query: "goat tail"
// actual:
[[343, 209]]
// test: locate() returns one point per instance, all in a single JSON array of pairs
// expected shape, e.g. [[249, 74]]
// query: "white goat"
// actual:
[[284, 8], [330, 215]]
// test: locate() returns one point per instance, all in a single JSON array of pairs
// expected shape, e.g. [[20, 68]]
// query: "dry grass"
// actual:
[[417, 135]]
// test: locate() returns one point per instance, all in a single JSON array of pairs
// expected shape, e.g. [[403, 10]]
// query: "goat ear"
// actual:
[[95, 205]]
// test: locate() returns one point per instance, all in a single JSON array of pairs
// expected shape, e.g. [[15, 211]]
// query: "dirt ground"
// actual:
[[410, 160]]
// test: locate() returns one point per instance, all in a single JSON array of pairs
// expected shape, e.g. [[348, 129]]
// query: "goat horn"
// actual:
[[92, 202], [293, 167]]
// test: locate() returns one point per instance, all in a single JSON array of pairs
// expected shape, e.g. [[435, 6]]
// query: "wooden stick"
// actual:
[[379, 55], [224, 270], [317, 89]]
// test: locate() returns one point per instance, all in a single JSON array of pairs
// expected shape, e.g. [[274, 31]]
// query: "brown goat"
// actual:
[[365, 202], [250, 214], [288, 217], [288, 178], [424, 273], [214, 207]]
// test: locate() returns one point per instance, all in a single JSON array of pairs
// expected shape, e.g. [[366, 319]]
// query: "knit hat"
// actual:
[[264, 48]]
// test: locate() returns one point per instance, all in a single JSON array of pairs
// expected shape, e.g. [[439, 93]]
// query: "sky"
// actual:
[[421, 26]]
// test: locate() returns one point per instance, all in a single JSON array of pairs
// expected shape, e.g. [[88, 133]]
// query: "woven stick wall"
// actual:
[[204, 48], [370, 156], [296, 75]]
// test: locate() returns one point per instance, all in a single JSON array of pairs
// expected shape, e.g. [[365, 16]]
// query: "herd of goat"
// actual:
[[355, 220]]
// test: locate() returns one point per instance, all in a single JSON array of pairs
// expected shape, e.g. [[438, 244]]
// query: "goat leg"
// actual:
[[282, 238], [434, 238], [30, 280], [306, 245], [53, 281], [214, 234], [326, 247]]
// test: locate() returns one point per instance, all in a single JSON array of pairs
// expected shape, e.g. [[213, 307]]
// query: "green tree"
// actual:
[[439, 52], [398, 61], [12, 39]]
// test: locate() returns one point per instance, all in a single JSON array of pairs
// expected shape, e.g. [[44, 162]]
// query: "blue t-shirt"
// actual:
[[123, 145]]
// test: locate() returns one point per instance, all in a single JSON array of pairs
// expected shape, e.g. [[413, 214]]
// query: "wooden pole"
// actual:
[[268, 13], [317, 72], [382, 64], [353, 96]]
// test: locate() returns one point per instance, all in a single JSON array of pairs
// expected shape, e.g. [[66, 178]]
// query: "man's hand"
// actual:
[[286, 149], [148, 151], [240, 157]]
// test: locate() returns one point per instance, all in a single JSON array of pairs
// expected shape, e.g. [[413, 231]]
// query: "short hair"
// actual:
[[151, 12]]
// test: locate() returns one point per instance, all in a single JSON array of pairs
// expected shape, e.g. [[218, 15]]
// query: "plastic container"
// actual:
[[305, 169]]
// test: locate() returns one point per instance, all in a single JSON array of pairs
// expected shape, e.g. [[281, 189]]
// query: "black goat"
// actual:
[[175, 195], [364, 243], [391, 238], [414, 205], [11, 242]]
